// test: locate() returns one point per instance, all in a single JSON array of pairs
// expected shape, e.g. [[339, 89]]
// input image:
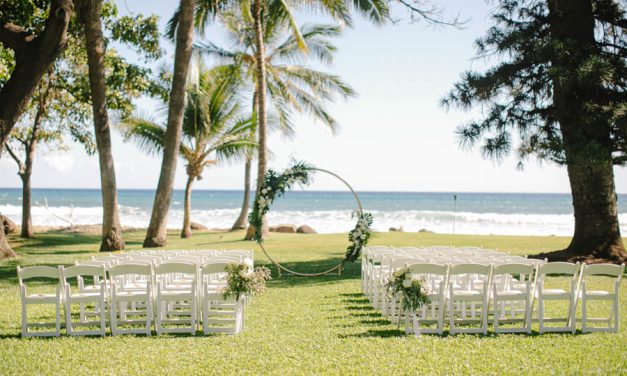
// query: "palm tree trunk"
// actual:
[[94, 40], [242, 219], [187, 229], [27, 226], [156, 235], [261, 113]]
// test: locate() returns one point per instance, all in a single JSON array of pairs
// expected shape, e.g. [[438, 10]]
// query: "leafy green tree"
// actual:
[[559, 95], [62, 105], [32, 50], [213, 131], [292, 86]]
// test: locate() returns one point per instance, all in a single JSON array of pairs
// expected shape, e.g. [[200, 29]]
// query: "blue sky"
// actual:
[[394, 136]]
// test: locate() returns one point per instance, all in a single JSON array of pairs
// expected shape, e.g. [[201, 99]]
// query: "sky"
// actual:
[[394, 136]]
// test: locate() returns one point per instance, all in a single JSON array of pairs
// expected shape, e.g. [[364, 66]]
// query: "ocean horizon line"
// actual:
[[310, 190]]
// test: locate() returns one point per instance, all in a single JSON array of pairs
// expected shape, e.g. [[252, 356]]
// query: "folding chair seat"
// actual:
[[471, 289], [176, 297], [512, 292], [94, 293], [435, 279], [568, 294], [45, 299], [219, 314], [587, 295], [139, 298]]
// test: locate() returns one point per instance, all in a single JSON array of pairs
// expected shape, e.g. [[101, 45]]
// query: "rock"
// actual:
[[285, 228], [7, 224], [425, 231], [396, 229], [198, 226], [304, 229]]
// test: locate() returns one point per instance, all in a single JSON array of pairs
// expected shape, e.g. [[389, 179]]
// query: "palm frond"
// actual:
[[149, 136]]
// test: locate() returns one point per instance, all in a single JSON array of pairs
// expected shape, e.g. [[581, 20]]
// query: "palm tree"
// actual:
[[291, 86], [213, 131], [156, 233], [264, 12], [90, 14]]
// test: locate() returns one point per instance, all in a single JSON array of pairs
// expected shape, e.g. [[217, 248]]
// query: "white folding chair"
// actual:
[[512, 289], [45, 272], [435, 279], [472, 289], [219, 314], [176, 297], [612, 296], [569, 294], [139, 297], [83, 296]]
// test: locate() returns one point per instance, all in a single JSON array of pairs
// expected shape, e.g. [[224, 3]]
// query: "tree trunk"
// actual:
[[27, 226], [156, 235], [586, 137], [242, 219], [94, 41], [6, 252], [262, 117], [187, 229], [33, 57]]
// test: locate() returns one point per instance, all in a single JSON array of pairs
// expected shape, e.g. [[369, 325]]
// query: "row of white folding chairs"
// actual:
[[373, 260], [175, 301], [499, 292]]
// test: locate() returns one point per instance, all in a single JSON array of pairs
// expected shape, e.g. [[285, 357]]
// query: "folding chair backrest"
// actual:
[[131, 268], [566, 268], [38, 272], [470, 269], [609, 270], [513, 269], [176, 267], [426, 268], [83, 270], [212, 268]]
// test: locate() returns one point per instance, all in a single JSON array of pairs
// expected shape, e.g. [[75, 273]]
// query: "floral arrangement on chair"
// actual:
[[242, 281], [411, 290]]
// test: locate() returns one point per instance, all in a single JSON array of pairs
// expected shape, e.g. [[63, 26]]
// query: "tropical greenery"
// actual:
[[320, 325], [214, 130], [409, 289], [292, 85]]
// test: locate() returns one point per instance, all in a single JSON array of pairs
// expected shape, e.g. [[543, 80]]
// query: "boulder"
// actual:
[[198, 227], [284, 228], [396, 229], [425, 231], [304, 229], [7, 225]]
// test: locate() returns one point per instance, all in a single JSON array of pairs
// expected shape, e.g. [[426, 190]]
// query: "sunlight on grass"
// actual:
[[300, 325]]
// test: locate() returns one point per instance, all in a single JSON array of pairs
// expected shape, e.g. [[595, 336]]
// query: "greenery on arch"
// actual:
[[276, 184]]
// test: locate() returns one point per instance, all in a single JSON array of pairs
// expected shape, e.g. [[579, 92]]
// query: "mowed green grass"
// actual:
[[300, 325]]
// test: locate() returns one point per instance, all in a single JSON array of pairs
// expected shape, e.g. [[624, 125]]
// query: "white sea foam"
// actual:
[[328, 221]]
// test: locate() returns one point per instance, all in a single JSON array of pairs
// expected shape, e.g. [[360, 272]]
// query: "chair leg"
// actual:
[[58, 319], [68, 317], [541, 314], [103, 321], [24, 320], [584, 326]]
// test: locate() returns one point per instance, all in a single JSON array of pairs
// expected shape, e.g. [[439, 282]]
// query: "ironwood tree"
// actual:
[[557, 93]]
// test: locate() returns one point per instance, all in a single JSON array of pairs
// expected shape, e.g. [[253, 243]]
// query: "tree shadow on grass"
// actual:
[[374, 333]]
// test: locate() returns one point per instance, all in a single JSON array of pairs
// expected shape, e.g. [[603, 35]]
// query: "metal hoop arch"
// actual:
[[338, 267]]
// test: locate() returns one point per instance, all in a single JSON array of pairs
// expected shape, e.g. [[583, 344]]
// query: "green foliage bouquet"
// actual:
[[411, 290], [242, 281]]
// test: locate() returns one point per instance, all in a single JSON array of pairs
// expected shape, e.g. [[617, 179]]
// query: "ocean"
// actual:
[[326, 212]]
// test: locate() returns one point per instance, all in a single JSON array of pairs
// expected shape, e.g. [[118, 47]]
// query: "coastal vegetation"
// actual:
[[299, 325]]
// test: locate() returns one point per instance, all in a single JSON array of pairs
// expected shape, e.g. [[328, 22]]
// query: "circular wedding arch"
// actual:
[[337, 267]]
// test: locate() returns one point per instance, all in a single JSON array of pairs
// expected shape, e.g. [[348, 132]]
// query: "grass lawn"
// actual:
[[300, 325]]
